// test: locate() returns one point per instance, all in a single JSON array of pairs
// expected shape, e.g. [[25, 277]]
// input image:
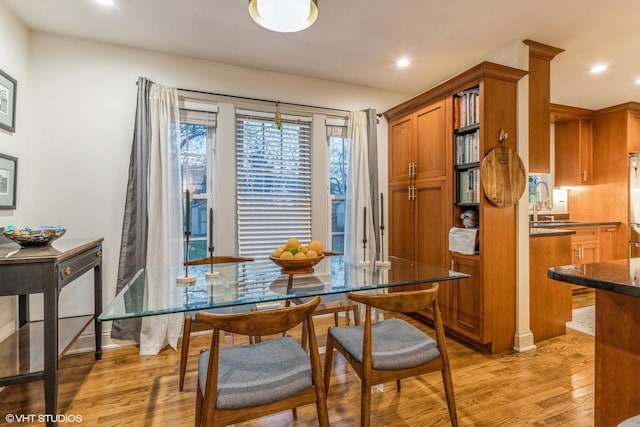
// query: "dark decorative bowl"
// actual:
[[42, 235]]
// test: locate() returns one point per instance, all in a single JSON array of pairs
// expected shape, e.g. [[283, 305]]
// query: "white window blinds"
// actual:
[[273, 182]]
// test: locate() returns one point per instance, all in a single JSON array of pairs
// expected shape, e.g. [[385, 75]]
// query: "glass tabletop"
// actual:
[[157, 291]]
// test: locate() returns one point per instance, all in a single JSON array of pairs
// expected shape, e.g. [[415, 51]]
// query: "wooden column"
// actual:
[[540, 56]]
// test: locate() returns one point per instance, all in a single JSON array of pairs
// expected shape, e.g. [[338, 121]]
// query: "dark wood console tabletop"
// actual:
[[32, 352]]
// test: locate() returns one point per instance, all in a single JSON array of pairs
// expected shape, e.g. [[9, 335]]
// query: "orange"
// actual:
[[300, 255], [316, 245], [293, 243], [286, 255]]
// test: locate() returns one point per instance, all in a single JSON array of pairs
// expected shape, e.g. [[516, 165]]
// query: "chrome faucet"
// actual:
[[537, 203]]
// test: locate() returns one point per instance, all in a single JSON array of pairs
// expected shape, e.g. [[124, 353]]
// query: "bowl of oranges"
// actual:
[[296, 258]]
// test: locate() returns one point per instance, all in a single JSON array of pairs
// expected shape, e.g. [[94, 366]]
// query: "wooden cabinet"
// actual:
[[419, 145], [425, 202], [607, 242], [633, 136], [574, 152], [466, 299]]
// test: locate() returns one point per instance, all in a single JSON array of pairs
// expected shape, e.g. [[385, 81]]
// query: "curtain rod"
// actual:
[[247, 98]]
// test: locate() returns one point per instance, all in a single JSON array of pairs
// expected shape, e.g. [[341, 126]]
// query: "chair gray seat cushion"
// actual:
[[396, 344], [631, 422], [252, 375]]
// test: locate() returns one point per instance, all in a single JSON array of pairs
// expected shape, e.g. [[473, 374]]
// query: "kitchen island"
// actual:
[[617, 343]]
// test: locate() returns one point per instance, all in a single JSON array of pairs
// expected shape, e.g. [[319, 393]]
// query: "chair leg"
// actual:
[[199, 402], [328, 362], [184, 353], [398, 385], [448, 391], [365, 404]]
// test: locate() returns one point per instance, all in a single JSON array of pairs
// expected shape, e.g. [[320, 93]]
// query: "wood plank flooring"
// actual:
[[552, 385]]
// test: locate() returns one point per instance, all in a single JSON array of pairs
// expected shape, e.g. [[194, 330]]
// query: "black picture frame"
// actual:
[[8, 181], [8, 86]]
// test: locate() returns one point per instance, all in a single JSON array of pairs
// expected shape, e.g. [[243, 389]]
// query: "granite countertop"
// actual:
[[565, 224], [620, 276], [561, 227], [545, 232]]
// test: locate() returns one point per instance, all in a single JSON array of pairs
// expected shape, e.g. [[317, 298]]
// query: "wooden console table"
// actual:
[[33, 351]]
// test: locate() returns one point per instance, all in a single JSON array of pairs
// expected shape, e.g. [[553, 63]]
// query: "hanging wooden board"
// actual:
[[503, 176]]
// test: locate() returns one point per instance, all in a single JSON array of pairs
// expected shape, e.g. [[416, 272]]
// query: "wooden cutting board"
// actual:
[[503, 176]]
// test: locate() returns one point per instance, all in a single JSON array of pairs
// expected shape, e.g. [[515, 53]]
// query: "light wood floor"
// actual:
[[552, 385]]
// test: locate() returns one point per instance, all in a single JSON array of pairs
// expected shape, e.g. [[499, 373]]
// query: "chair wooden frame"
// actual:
[[190, 325], [259, 323], [399, 302]]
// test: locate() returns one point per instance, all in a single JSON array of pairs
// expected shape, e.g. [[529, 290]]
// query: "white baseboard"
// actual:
[[524, 342], [86, 342]]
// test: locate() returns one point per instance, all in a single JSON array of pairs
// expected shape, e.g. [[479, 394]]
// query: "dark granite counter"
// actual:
[[545, 232], [619, 276], [571, 224]]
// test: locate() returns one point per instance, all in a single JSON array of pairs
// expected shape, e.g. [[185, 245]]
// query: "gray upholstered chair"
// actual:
[[392, 349], [190, 325], [631, 422], [244, 382]]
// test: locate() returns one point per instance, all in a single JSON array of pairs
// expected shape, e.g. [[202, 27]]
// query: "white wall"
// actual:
[[84, 102], [15, 61]]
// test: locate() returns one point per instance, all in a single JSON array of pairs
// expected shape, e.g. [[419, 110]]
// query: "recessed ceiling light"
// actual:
[[598, 68], [402, 62], [638, 81], [105, 2]]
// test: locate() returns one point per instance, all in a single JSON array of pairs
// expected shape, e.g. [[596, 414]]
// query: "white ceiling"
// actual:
[[358, 41]]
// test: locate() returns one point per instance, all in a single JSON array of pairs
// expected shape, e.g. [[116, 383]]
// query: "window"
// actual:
[[338, 155], [197, 137], [273, 186]]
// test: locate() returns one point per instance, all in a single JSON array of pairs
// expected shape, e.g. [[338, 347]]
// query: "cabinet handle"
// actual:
[[99, 254], [409, 193], [415, 169], [67, 270], [453, 264], [584, 176], [609, 230]]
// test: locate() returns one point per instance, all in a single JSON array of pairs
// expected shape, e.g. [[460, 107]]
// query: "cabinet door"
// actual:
[[467, 299], [401, 230], [607, 243], [573, 152], [584, 252], [431, 144], [432, 226], [402, 143], [633, 137], [586, 151]]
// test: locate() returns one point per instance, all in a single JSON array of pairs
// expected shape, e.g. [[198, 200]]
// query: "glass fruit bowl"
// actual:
[[41, 235], [296, 266]]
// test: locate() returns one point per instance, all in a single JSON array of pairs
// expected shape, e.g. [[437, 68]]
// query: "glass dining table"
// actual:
[[157, 291]]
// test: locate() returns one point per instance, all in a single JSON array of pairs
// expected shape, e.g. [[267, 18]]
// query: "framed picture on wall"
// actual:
[[7, 102], [8, 181]]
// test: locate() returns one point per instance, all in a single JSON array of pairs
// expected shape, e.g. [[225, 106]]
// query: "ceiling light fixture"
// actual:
[[638, 81], [598, 68], [402, 62], [105, 2], [284, 16]]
